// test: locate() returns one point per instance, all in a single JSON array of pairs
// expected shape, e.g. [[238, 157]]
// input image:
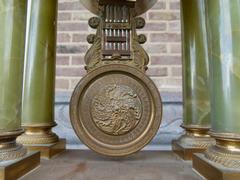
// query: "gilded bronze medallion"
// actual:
[[116, 110]]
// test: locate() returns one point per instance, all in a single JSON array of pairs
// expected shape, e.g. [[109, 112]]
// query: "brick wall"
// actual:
[[164, 44]]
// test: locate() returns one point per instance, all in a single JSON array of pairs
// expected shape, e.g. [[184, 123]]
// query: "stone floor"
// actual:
[[86, 165]]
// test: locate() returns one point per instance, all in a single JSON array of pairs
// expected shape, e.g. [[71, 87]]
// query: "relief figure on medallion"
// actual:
[[116, 110]]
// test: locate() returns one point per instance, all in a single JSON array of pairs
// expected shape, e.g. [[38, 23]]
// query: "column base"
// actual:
[[196, 140], [48, 151], [185, 153], [211, 170], [9, 149], [222, 160], [15, 169], [38, 135]]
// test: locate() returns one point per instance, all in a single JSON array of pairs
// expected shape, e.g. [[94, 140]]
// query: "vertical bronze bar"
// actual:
[[107, 30], [124, 31], [115, 30], [121, 21], [104, 31], [111, 31]]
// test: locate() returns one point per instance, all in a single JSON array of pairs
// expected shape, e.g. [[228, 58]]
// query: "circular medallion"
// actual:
[[116, 110]]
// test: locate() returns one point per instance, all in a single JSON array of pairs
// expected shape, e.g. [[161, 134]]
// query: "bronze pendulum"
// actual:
[[116, 108]]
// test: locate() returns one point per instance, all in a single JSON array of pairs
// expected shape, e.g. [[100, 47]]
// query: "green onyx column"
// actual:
[[223, 26], [196, 107], [12, 40], [39, 74]]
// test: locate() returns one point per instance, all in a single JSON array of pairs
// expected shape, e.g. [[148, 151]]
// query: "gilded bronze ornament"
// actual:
[[9, 149], [222, 160], [195, 140], [38, 135], [226, 151], [116, 109]]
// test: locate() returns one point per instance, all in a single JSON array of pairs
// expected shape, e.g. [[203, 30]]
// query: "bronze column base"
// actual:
[[15, 169], [9, 149], [42, 139], [220, 161], [14, 160], [195, 140]]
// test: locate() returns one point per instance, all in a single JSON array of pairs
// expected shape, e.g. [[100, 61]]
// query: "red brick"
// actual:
[[174, 82], [155, 48], [159, 5], [79, 37], [176, 71], [66, 6], [163, 45], [174, 5], [162, 26], [64, 16], [70, 71], [174, 26], [83, 15], [165, 37], [78, 60], [62, 84], [63, 37], [66, 26], [166, 60], [62, 60], [71, 49], [175, 48], [157, 71], [166, 16]]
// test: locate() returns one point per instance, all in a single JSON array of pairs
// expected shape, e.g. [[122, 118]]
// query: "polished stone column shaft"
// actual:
[[222, 161], [224, 42], [12, 42], [39, 74], [196, 98], [196, 106]]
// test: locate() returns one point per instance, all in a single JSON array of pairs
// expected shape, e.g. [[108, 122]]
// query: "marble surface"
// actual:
[[170, 127], [224, 43], [12, 39], [39, 78], [195, 64], [86, 165]]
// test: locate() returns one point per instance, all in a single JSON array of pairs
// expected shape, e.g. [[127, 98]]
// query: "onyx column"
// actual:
[[223, 24], [39, 80], [196, 100], [12, 42]]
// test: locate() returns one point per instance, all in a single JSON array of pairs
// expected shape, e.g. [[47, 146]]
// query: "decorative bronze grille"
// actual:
[[116, 31]]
